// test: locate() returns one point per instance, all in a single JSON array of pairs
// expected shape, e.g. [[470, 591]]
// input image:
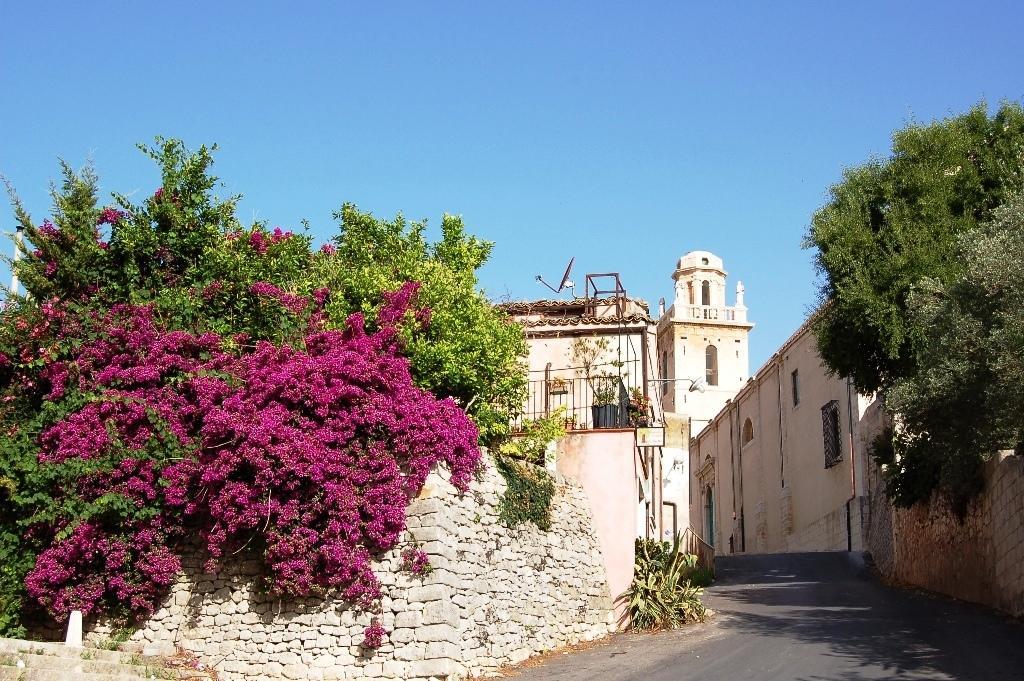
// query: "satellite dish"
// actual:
[[565, 277], [698, 386], [565, 281]]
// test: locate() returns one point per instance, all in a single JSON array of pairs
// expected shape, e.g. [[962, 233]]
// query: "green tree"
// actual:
[[65, 256], [964, 401], [469, 350], [183, 250], [892, 223]]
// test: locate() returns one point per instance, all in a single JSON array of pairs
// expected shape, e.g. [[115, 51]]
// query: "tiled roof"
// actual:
[[527, 306], [580, 320], [530, 306]]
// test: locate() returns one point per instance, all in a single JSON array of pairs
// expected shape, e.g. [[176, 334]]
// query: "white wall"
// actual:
[[777, 484]]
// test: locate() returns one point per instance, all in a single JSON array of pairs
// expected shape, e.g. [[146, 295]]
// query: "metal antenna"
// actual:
[[565, 278]]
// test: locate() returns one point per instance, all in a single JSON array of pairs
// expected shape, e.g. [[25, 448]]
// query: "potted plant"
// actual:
[[587, 354], [558, 386], [639, 410], [605, 409]]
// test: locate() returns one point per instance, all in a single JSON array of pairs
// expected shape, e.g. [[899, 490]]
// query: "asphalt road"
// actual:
[[809, 617]]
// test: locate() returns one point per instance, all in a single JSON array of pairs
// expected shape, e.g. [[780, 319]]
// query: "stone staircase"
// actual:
[[35, 661]]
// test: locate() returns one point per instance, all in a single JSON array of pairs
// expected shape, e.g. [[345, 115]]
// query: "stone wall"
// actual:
[[495, 596], [979, 558], [834, 531]]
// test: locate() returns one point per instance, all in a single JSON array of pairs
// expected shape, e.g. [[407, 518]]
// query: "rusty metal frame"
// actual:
[[593, 292]]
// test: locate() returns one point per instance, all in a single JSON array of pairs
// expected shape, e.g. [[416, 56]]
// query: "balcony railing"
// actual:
[[713, 313], [578, 396]]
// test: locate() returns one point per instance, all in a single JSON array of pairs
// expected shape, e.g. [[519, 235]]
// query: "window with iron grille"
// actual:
[[830, 433]]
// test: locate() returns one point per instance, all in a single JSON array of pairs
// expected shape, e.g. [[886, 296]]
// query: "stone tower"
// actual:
[[702, 336]]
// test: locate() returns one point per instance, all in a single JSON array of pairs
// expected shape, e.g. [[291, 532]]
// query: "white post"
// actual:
[[74, 637], [19, 235]]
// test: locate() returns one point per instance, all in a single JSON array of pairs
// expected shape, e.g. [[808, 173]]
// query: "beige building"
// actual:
[[786, 466], [578, 348], [616, 329], [782, 466], [699, 342], [702, 350]]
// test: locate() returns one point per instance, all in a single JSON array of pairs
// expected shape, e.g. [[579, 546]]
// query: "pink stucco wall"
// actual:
[[604, 463]]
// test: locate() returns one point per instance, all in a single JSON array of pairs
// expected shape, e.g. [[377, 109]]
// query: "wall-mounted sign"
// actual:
[[650, 437]]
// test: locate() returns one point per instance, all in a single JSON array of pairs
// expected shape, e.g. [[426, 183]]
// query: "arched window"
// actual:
[[748, 431], [711, 365], [705, 292]]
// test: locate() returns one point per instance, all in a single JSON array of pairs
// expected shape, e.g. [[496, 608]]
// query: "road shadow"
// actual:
[[875, 632]]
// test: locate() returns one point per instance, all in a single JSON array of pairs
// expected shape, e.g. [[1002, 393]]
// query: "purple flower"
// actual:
[[212, 289], [48, 230], [278, 236], [258, 242], [373, 635], [416, 561], [265, 288], [110, 216], [317, 449]]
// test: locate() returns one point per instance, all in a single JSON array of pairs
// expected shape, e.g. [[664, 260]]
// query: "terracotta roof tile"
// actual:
[[529, 306], [580, 320]]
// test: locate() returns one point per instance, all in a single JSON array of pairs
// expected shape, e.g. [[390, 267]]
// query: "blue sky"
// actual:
[[621, 134]]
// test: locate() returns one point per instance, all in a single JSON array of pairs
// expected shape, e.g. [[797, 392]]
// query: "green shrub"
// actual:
[[528, 495], [531, 443], [470, 350], [663, 594], [181, 254], [520, 460], [701, 576]]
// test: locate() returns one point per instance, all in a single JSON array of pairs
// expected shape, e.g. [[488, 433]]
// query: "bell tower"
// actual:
[[702, 337], [702, 362]]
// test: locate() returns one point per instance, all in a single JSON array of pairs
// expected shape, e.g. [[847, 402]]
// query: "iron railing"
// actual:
[[705, 552], [550, 390]]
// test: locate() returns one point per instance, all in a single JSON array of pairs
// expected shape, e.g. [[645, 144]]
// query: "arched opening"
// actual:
[[709, 516], [748, 431], [711, 365], [705, 292]]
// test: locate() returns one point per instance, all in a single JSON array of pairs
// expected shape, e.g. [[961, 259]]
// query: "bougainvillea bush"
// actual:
[[200, 391]]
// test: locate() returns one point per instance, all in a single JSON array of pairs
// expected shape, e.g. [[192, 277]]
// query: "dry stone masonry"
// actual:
[[495, 596], [978, 558]]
